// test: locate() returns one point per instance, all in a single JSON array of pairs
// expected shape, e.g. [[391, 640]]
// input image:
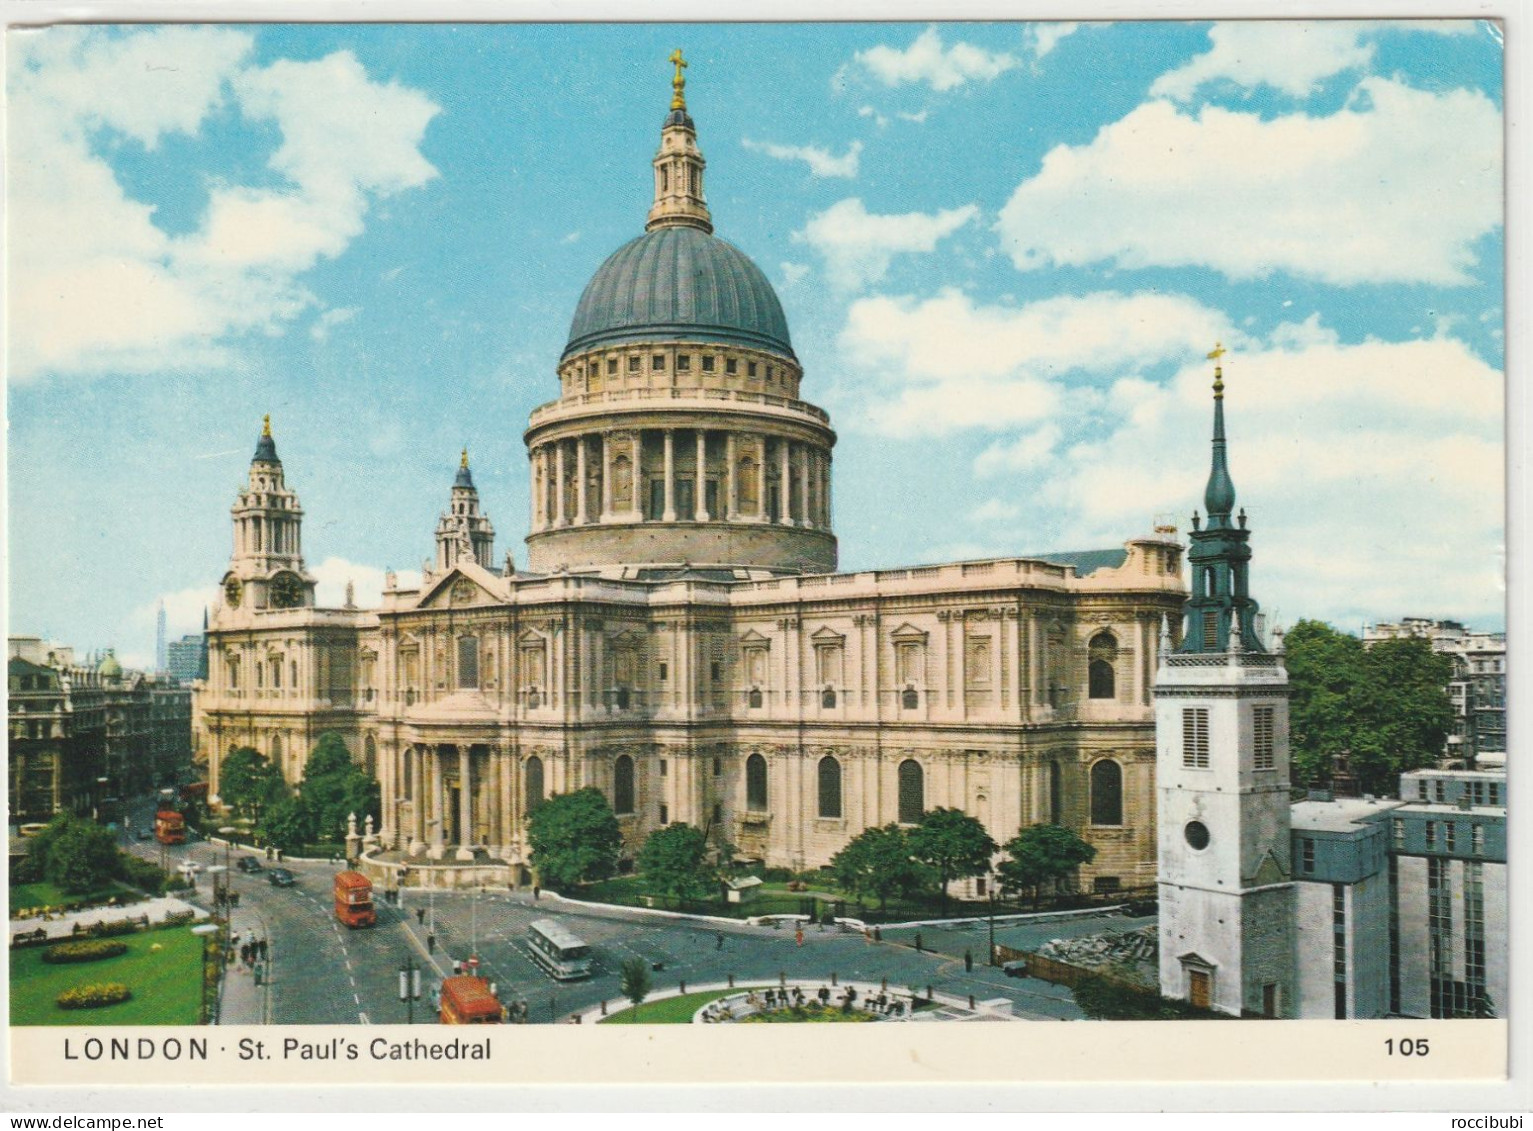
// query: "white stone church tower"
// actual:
[[1221, 714]]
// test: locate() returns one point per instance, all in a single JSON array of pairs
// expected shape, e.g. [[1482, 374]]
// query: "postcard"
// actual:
[[844, 544]]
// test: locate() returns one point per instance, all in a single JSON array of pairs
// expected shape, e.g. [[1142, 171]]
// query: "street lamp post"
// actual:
[[206, 931], [410, 987], [992, 924]]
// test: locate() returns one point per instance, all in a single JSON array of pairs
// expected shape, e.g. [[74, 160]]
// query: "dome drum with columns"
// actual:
[[681, 641]]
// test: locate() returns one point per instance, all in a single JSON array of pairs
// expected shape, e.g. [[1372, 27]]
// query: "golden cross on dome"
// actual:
[[1214, 355], [464, 462], [679, 83], [266, 425], [1217, 352]]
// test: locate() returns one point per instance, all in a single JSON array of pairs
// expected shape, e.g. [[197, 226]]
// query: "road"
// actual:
[[322, 973]]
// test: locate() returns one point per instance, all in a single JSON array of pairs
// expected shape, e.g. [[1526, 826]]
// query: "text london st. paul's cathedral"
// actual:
[[680, 639]]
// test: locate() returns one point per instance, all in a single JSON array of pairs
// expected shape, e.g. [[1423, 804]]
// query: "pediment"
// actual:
[[909, 633], [827, 635], [1197, 961], [465, 585], [626, 639], [531, 638], [755, 639]]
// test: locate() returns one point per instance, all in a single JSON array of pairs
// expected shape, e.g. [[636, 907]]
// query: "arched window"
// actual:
[[276, 752], [830, 787], [1102, 676], [756, 783], [370, 757], [912, 792], [622, 785], [1056, 795], [468, 661], [534, 786], [1107, 793]]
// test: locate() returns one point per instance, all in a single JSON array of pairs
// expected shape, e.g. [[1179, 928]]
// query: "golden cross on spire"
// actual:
[[679, 82], [266, 425], [1214, 355], [464, 461]]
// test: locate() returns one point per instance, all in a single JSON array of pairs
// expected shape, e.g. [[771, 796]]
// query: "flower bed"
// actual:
[[92, 951], [95, 995]]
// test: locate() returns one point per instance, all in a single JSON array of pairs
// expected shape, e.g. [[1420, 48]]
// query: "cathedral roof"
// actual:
[[679, 282]]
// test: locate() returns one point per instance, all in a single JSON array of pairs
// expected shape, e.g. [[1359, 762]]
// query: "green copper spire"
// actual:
[[1219, 497]]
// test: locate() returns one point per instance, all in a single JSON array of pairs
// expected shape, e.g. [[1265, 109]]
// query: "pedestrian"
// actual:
[[798, 936], [264, 949], [718, 937], [968, 962], [420, 916], [431, 944], [537, 893]]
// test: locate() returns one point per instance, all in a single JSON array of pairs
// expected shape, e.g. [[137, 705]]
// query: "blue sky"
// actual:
[[1003, 250]]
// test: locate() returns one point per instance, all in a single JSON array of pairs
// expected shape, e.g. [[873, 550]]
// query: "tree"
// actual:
[[953, 844], [1386, 707], [335, 787], [674, 861], [575, 838], [877, 862], [288, 823], [1042, 854], [243, 778], [635, 982], [82, 857]]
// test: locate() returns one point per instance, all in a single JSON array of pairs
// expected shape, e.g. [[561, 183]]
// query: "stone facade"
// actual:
[[681, 641]]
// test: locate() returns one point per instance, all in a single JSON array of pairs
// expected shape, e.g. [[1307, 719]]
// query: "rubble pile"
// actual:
[[1130, 953]]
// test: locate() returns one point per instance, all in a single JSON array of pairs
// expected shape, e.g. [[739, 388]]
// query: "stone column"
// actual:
[[560, 519], [731, 488], [670, 477], [580, 480], [785, 498], [438, 804], [465, 803], [700, 493], [606, 477], [806, 453]]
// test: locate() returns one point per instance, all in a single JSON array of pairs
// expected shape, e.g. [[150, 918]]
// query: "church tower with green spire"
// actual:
[[1227, 931]]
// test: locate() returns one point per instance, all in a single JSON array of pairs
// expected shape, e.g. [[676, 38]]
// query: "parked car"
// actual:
[[248, 864], [189, 868], [1017, 968], [281, 878]]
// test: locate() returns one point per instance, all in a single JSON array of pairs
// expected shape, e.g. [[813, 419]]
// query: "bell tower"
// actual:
[[463, 533], [1227, 931], [679, 201], [266, 570]]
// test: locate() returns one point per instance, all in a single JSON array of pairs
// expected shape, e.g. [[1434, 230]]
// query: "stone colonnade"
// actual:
[[601, 478]]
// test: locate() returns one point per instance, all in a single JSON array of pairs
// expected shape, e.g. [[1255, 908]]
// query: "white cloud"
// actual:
[[926, 60], [1026, 452], [793, 272], [821, 162], [333, 573], [994, 510], [1043, 38], [96, 286], [917, 117], [330, 319], [183, 612], [858, 246], [1293, 57], [1395, 187]]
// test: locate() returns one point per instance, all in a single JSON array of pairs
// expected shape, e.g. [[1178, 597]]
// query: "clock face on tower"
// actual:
[[233, 590], [286, 591]]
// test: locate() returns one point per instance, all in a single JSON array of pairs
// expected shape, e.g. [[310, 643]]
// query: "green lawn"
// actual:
[[165, 983], [672, 1010], [44, 894]]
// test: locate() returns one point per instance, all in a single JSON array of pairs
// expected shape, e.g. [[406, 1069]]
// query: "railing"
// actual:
[[620, 396]]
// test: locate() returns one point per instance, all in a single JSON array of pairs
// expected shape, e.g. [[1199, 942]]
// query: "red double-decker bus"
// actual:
[[169, 827], [354, 900]]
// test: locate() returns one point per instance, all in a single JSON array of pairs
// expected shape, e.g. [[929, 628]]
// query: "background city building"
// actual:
[[1478, 688]]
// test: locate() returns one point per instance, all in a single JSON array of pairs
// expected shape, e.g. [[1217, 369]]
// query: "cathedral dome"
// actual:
[[679, 282]]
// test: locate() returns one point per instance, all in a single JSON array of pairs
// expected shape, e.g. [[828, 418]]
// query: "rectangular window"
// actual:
[[1495, 794], [1477, 839], [1210, 629], [1431, 834], [750, 369], [715, 671], [772, 374], [1399, 832], [612, 365], [634, 363], [657, 363], [1195, 737], [1307, 851], [665, 814], [683, 362], [656, 499], [707, 363], [663, 767], [1421, 790], [1440, 791], [665, 671], [718, 766], [718, 811], [1264, 750], [1450, 829], [731, 366]]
